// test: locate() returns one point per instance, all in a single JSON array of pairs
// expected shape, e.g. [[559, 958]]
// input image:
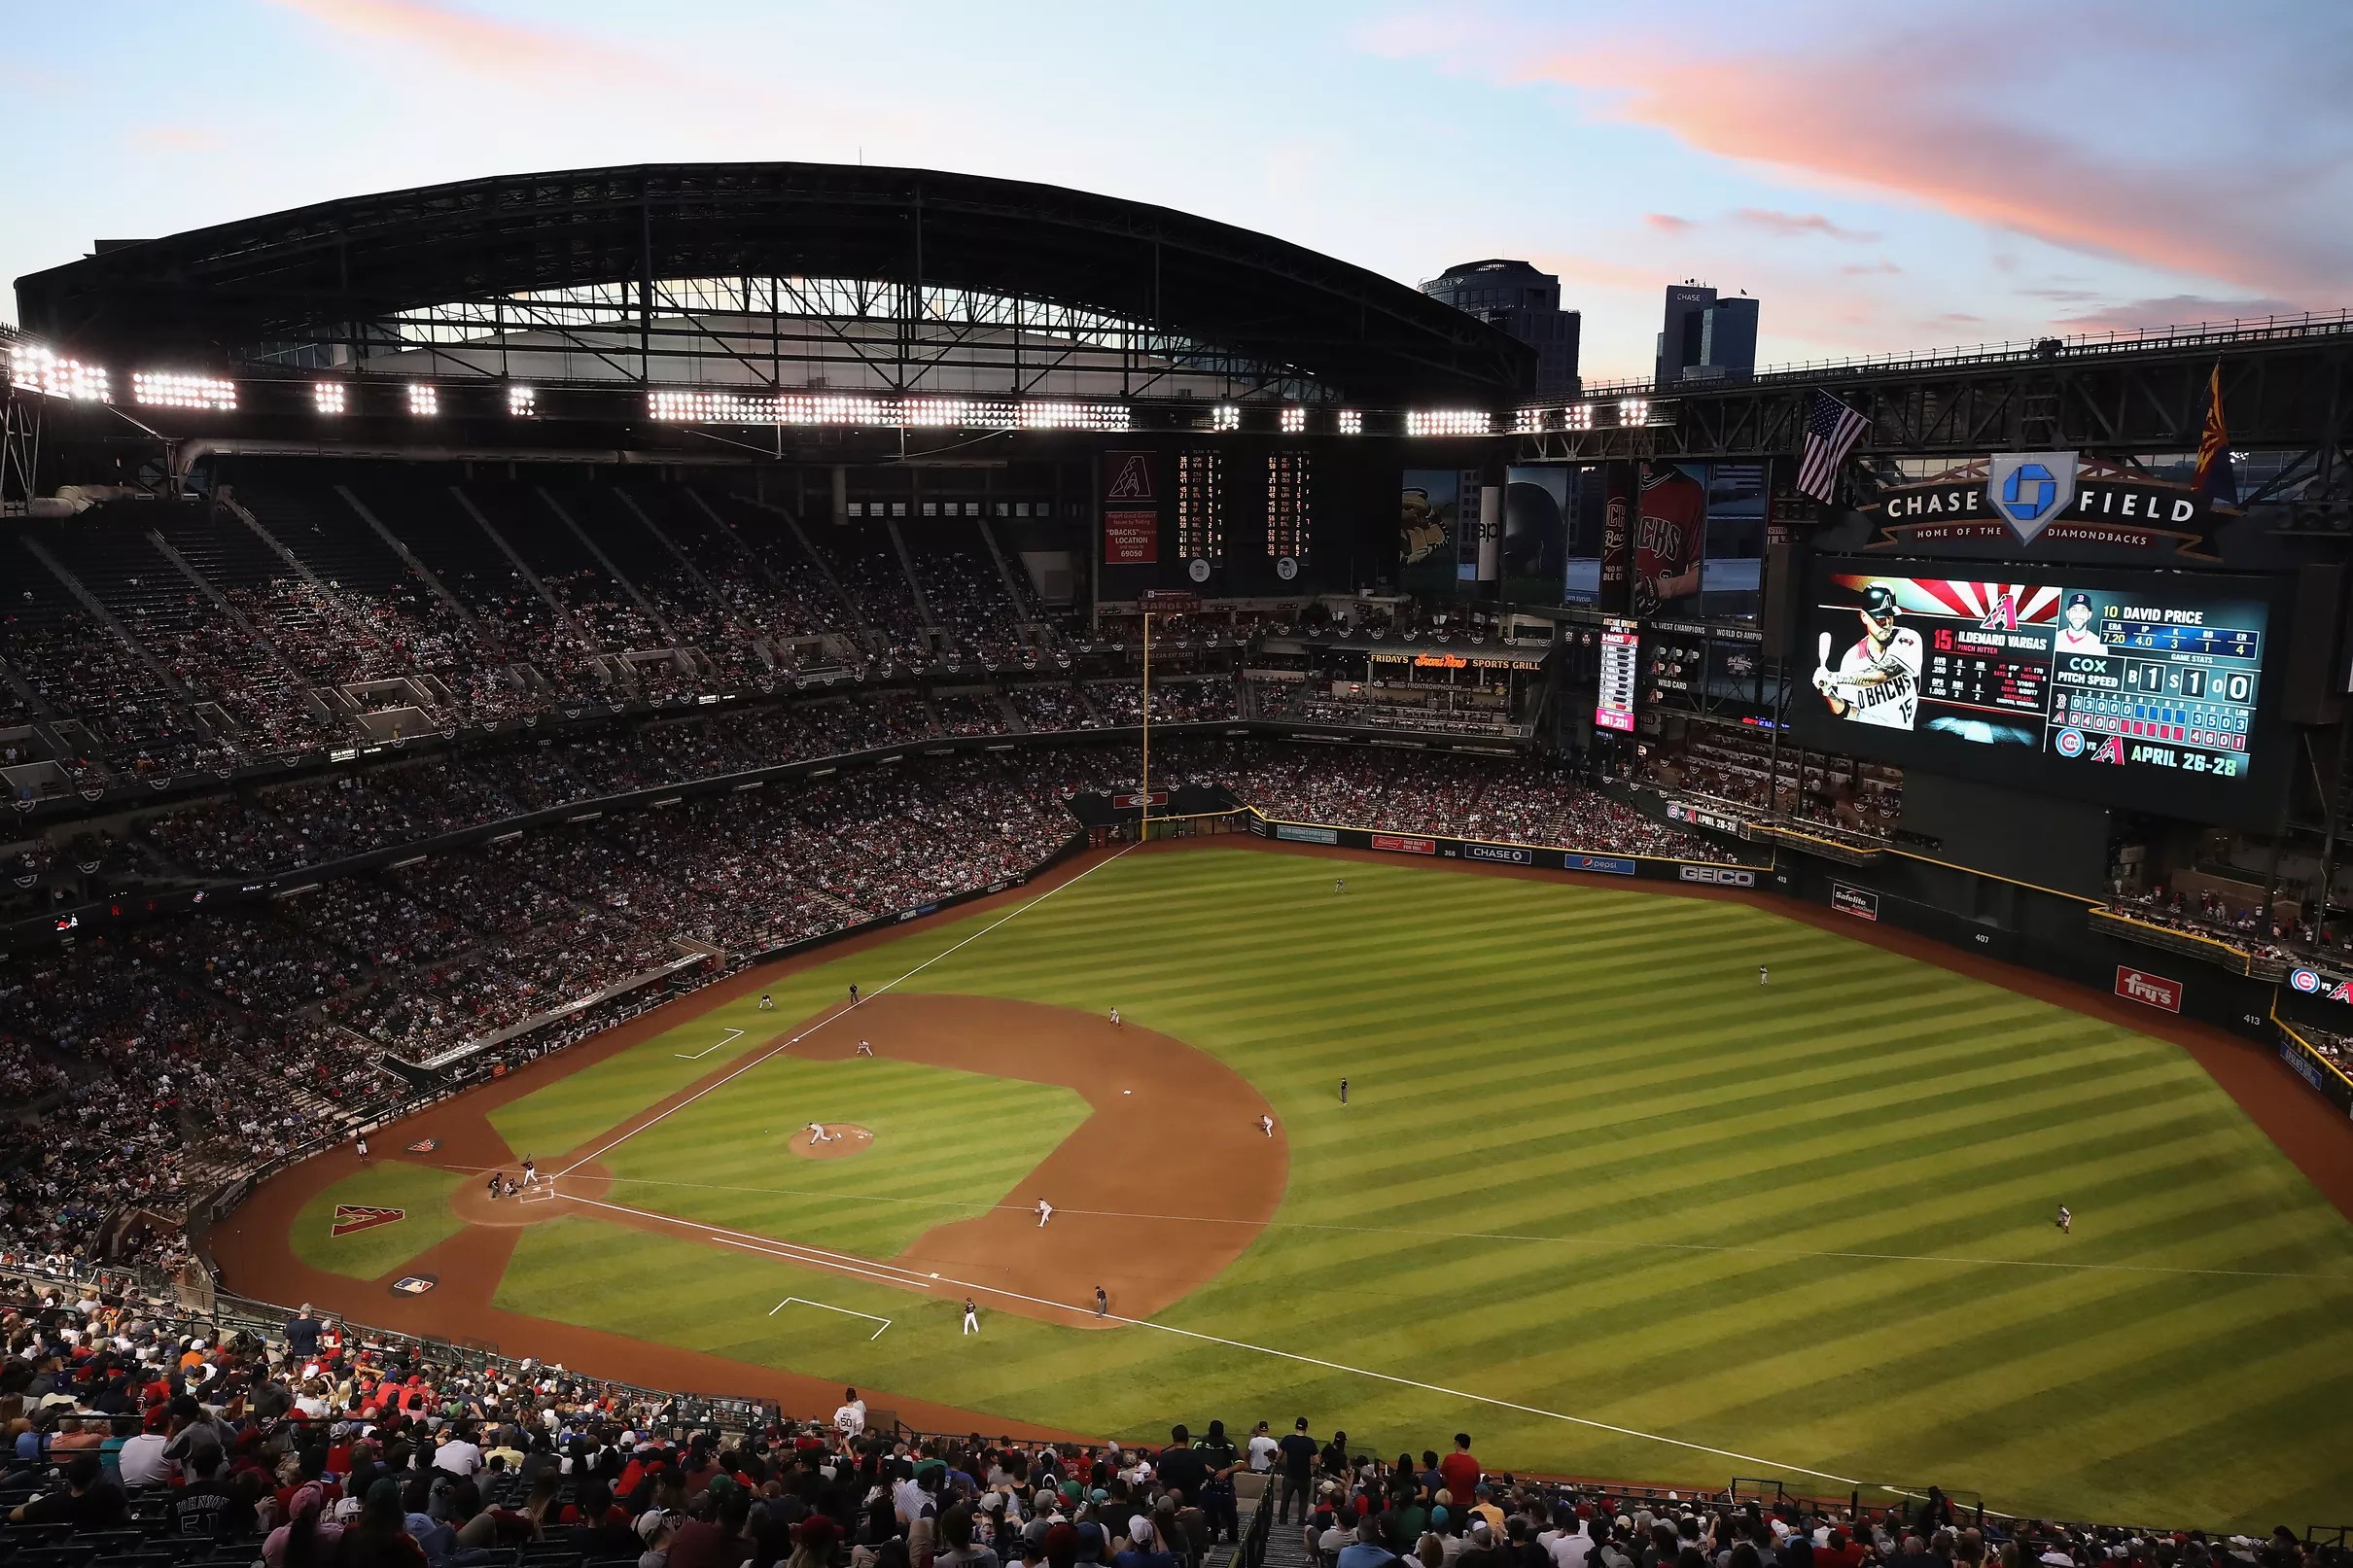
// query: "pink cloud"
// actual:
[[486, 45], [177, 139], [1867, 270], [1824, 116], [2173, 310], [1799, 225], [1667, 223]]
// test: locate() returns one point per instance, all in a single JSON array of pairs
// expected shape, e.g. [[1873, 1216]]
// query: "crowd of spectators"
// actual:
[[312, 1442], [2241, 926]]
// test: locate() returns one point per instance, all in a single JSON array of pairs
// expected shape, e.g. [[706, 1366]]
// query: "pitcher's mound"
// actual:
[[843, 1140]]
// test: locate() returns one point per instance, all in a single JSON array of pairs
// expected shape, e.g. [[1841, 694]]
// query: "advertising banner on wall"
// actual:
[[1617, 534], [1427, 513], [1670, 534], [1131, 509]]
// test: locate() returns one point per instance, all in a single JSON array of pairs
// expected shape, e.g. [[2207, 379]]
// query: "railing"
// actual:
[[2214, 950], [2200, 334]]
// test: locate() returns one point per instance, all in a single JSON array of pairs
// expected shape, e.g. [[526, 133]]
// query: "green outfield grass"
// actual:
[[1591, 1169], [422, 1190]]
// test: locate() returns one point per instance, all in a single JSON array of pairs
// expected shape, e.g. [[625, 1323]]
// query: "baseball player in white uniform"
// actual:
[[1045, 1212], [1877, 680], [817, 1134], [1266, 1124]]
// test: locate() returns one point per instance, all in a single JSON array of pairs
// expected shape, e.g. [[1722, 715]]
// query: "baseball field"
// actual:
[[1596, 1196]]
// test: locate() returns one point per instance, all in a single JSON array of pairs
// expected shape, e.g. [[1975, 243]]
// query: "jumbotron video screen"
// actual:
[[2134, 689]]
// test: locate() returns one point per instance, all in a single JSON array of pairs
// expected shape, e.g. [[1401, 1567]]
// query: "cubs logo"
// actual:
[[424, 1145], [352, 1218], [2303, 980]]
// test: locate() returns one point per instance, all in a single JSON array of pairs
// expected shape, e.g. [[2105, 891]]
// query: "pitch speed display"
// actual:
[[2136, 689]]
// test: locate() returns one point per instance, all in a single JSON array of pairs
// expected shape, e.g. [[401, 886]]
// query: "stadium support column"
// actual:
[[841, 494]]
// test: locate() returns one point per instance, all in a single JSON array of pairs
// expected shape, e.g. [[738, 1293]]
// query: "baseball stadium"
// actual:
[[641, 795]]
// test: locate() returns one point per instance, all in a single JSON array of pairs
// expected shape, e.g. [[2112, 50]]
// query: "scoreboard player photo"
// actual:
[[1877, 678]]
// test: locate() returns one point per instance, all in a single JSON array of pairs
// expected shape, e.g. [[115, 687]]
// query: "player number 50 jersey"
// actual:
[[1894, 698]]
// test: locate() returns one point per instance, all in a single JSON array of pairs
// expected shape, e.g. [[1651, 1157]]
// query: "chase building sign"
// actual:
[[2048, 504]]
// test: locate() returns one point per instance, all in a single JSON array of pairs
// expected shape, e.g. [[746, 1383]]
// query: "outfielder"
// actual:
[[2066, 1221], [1877, 681], [1764, 975]]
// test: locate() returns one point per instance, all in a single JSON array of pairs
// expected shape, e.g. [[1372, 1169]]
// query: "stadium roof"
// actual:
[[344, 281]]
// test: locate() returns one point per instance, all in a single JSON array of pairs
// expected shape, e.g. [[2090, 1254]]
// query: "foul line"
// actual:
[[731, 1036], [803, 1301], [887, 984], [1596, 1243], [797, 1252]]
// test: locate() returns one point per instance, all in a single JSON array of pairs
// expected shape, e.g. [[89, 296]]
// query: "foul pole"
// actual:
[[1143, 828]]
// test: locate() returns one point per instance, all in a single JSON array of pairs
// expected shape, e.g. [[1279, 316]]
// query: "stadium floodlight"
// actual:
[[1352, 421], [1634, 411], [1447, 422], [166, 389], [1529, 421], [522, 402], [711, 408], [1225, 416], [1110, 416], [328, 396], [53, 375], [424, 400], [1577, 416], [1294, 420], [830, 409]]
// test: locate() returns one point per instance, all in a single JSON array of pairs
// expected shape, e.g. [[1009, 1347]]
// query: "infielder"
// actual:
[[767, 1003], [1877, 681], [1114, 1018], [971, 1316], [1045, 1212], [865, 1048], [817, 1134], [1103, 1303], [1266, 1124]]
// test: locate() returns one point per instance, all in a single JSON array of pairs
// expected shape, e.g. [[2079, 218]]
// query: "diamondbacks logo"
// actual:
[[1132, 479], [414, 1285], [350, 1218], [2002, 618]]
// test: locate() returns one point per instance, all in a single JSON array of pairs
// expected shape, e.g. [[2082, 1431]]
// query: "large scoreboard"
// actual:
[[2140, 690]]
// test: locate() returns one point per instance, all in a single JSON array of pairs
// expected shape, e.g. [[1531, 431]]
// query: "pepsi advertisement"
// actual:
[[2140, 690]]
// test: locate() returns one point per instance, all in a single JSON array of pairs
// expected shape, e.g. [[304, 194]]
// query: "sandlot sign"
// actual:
[[2149, 991]]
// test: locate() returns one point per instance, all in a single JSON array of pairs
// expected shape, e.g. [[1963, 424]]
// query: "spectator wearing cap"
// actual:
[[1298, 1457], [1144, 1548], [142, 1462]]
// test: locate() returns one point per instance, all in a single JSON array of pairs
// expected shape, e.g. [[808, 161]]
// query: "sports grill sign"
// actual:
[[2149, 991]]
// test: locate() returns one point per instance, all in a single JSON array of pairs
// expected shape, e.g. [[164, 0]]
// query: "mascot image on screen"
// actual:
[[1877, 680]]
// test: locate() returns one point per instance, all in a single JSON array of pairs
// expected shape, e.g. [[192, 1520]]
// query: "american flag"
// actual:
[[1831, 431]]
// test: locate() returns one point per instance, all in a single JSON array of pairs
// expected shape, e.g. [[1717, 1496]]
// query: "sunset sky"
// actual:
[[1915, 175]]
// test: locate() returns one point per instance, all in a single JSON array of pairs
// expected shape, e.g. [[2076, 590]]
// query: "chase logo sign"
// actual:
[[2028, 489]]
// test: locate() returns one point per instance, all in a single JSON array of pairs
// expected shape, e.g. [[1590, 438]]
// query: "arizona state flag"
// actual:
[[2215, 479]]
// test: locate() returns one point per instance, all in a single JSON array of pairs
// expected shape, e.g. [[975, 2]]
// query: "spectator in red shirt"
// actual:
[[1460, 1472]]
